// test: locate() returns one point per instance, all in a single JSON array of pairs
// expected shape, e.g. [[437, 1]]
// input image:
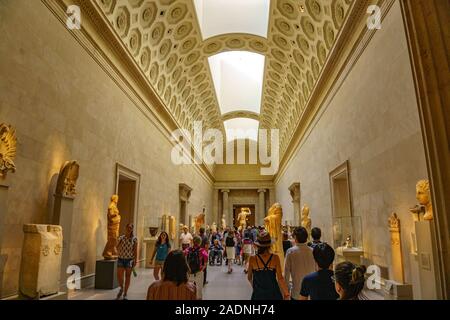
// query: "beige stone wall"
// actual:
[[373, 122], [65, 107]]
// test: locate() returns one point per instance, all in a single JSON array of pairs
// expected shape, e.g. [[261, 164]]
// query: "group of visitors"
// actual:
[[181, 274]]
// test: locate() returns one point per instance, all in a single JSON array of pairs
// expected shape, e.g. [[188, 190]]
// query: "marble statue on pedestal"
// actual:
[[224, 223], [424, 207], [243, 217], [199, 221], [110, 251], [8, 143], [214, 227], [272, 223]]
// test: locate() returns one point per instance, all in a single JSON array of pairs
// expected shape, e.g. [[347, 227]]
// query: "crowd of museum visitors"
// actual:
[[308, 272]]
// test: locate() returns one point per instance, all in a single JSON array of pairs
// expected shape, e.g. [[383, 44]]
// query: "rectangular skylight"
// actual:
[[238, 80], [217, 17], [241, 128]]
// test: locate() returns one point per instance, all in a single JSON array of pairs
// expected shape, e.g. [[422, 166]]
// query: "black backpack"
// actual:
[[194, 260], [229, 241]]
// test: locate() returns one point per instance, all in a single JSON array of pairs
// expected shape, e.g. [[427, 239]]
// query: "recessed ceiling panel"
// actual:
[[238, 80], [232, 16], [241, 128]]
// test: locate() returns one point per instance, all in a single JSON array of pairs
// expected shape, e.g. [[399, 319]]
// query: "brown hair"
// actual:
[[176, 268], [351, 278]]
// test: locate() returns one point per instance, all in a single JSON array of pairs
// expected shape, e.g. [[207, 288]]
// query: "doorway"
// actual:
[[127, 188], [237, 209]]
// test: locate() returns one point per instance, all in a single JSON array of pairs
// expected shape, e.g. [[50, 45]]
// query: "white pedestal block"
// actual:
[[41, 260], [425, 247], [149, 248]]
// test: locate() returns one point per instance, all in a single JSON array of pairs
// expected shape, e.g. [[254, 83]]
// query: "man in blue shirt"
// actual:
[[319, 285]]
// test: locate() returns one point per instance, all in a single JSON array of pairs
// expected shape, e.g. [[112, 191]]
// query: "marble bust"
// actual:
[[423, 197], [110, 251]]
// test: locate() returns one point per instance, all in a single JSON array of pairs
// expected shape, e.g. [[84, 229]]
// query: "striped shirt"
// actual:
[[168, 290]]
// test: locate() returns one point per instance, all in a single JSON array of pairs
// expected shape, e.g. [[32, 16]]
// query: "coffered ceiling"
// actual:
[[165, 39]]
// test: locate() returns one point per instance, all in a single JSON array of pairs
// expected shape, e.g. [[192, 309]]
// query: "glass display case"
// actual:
[[347, 232]]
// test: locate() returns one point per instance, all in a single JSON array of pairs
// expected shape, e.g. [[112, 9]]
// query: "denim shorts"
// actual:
[[125, 263]]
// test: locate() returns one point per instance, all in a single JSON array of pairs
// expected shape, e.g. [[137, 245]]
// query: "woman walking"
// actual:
[[175, 284], [162, 248], [264, 272], [127, 251], [230, 243]]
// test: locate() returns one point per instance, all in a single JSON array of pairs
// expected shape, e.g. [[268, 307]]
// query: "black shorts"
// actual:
[[125, 263]]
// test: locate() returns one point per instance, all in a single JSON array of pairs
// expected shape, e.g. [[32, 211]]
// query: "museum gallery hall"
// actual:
[[224, 149]]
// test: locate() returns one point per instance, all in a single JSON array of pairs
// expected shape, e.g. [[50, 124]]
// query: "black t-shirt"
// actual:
[[204, 241], [319, 286]]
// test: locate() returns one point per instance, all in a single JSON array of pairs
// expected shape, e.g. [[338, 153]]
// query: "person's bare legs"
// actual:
[[120, 272], [127, 281], [156, 272]]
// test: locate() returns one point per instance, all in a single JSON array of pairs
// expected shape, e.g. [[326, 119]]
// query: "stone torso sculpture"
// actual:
[[8, 143], [424, 197], [306, 220], [110, 251], [214, 227], [67, 179], [272, 224]]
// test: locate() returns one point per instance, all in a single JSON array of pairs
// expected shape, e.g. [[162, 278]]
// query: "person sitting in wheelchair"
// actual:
[[215, 253]]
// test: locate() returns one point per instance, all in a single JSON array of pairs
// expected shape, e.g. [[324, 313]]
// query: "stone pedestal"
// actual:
[[349, 254], [106, 274], [149, 248], [41, 261], [427, 275], [397, 291], [63, 215]]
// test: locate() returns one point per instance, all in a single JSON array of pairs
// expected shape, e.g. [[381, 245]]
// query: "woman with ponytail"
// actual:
[[349, 281]]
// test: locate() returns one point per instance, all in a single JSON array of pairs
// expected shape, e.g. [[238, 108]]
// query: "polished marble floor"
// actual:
[[221, 286]]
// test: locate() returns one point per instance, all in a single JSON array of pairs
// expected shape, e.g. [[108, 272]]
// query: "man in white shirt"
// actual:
[[186, 238], [299, 262]]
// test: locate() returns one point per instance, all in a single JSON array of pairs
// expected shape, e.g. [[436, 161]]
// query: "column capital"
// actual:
[[262, 190], [225, 190]]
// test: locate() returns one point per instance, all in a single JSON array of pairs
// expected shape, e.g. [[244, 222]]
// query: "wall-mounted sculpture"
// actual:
[[67, 179], [272, 224], [110, 251], [294, 190], [396, 248], [8, 142], [424, 209]]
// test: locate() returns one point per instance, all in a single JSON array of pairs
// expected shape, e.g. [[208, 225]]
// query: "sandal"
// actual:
[[119, 295]]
